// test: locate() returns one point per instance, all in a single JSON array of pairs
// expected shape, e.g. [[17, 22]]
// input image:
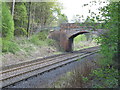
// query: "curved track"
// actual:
[[15, 73]]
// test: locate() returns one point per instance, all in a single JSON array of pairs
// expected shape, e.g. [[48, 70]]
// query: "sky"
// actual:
[[74, 7]]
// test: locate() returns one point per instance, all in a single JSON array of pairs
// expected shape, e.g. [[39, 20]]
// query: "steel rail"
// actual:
[[30, 64], [20, 73], [32, 67]]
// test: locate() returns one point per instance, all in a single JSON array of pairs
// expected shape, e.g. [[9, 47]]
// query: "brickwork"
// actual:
[[67, 33]]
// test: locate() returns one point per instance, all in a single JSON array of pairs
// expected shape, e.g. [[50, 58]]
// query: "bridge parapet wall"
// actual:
[[69, 26]]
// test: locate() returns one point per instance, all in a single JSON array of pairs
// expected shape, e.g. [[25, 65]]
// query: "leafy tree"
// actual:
[[45, 12], [7, 22], [109, 41], [62, 18], [20, 18]]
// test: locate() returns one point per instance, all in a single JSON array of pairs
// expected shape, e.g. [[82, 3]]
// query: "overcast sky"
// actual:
[[73, 7]]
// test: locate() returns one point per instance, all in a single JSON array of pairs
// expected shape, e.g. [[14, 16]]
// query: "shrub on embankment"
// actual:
[[41, 39], [7, 30], [107, 76]]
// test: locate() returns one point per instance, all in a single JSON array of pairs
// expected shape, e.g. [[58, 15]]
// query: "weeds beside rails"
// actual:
[[89, 74]]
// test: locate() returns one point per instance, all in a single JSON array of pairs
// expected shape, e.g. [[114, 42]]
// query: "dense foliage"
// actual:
[[105, 78], [108, 75], [20, 19], [7, 22], [27, 19], [109, 40]]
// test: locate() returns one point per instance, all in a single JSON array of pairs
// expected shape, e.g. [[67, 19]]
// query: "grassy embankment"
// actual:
[[23, 48], [23, 43]]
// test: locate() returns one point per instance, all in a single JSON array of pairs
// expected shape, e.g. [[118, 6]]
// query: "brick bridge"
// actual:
[[67, 33]]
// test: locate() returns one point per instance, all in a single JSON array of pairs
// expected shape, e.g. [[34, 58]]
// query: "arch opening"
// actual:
[[79, 42], [71, 40]]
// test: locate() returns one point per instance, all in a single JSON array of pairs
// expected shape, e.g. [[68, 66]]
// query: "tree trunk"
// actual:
[[28, 27], [13, 6]]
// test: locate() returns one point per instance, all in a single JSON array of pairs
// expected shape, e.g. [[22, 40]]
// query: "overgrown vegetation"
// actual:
[[7, 30], [41, 39], [109, 40], [105, 78], [78, 78], [24, 19], [20, 19], [7, 23], [108, 74]]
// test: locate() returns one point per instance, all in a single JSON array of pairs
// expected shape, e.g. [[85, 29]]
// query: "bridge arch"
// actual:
[[71, 39], [65, 38], [69, 31]]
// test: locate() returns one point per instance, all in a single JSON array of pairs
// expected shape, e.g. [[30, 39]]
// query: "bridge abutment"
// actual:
[[66, 44]]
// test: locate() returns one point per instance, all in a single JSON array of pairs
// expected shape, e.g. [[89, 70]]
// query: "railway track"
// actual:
[[14, 73]]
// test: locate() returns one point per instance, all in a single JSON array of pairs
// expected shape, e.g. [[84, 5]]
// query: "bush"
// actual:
[[106, 78], [9, 46], [109, 41], [42, 35], [41, 39]]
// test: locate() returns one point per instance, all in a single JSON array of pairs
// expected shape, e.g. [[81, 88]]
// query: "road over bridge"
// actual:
[[67, 33]]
